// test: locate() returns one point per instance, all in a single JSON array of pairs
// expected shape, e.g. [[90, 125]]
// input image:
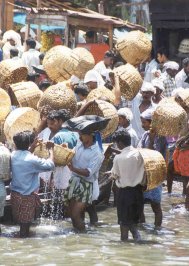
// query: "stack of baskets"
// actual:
[[25, 94], [62, 155], [86, 61], [23, 118], [59, 97], [155, 168], [169, 118], [135, 48], [5, 108], [106, 110], [60, 63], [12, 72], [129, 80], [101, 93]]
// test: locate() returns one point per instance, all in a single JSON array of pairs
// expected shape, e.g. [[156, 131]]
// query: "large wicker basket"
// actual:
[[23, 118], [2, 135], [182, 98], [12, 72], [169, 118], [86, 61], [135, 48], [59, 97], [5, 104], [62, 155], [106, 110], [60, 63], [101, 93], [155, 168], [5, 171], [25, 94], [129, 80]]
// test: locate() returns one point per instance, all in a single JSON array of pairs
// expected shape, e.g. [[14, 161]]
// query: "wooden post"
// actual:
[[39, 26], [111, 36], [3, 15], [101, 7], [76, 37]]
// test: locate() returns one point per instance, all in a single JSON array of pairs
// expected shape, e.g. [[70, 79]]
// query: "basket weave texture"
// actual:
[[135, 48], [60, 63], [182, 98], [155, 168], [106, 110], [59, 97], [62, 155], [129, 80], [4, 163], [23, 118], [86, 61], [12, 72], [25, 94], [5, 104], [169, 119], [101, 92]]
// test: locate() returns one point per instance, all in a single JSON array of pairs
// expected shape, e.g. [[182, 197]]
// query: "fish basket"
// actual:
[[101, 93], [135, 48], [169, 118], [2, 135], [60, 63], [59, 97], [106, 110], [62, 155], [5, 104], [21, 119], [5, 156], [182, 98], [129, 80], [25, 94], [155, 168], [86, 61], [12, 72]]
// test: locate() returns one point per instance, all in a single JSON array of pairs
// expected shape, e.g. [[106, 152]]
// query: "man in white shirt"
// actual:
[[151, 67], [30, 58], [182, 78], [105, 64], [14, 55], [128, 170]]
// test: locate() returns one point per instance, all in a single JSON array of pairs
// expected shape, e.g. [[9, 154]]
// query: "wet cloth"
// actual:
[[153, 195], [2, 197], [79, 189], [129, 205], [24, 207]]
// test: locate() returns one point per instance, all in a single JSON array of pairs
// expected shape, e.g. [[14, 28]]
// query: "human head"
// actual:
[[44, 84], [90, 36], [31, 43], [14, 52], [23, 140], [147, 91], [56, 118], [171, 68], [41, 57], [12, 42], [93, 79], [87, 138], [162, 55], [108, 58], [146, 119], [125, 116], [158, 85], [185, 63], [122, 138], [82, 91]]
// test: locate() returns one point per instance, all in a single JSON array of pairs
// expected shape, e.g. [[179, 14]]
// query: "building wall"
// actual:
[[6, 15]]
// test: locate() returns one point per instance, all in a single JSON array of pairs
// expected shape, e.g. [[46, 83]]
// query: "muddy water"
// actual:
[[54, 243]]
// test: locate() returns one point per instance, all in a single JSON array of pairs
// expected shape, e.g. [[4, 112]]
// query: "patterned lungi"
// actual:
[[80, 190], [24, 207]]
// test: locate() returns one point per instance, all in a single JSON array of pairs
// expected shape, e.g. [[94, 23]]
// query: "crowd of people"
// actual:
[[75, 186]]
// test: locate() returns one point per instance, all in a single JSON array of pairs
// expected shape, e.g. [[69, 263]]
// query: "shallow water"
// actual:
[[54, 243]]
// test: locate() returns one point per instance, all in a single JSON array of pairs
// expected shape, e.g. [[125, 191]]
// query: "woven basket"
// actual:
[[59, 97], [5, 104], [169, 118], [12, 72], [23, 118], [182, 98], [106, 110], [60, 63], [62, 156], [5, 171], [101, 92], [129, 80], [25, 94], [155, 168], [86, 61], [135, 48], [2, 135]]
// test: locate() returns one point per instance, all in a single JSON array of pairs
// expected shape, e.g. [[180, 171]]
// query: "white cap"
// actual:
[[93, 75], [147, 86], [74, 80], [32, 33], [157, 82], [171, 65], [125, 112], [147, 114]]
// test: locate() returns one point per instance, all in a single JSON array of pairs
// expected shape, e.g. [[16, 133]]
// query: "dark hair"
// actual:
[[109, 54], [162, 51], [14, 52], [41, 56], [108, 85], [31, 43], [23, 140], [118, 64], [90, 34], [61, 114], [81, 89], [185, 62], [122, 136], [44, 84]]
